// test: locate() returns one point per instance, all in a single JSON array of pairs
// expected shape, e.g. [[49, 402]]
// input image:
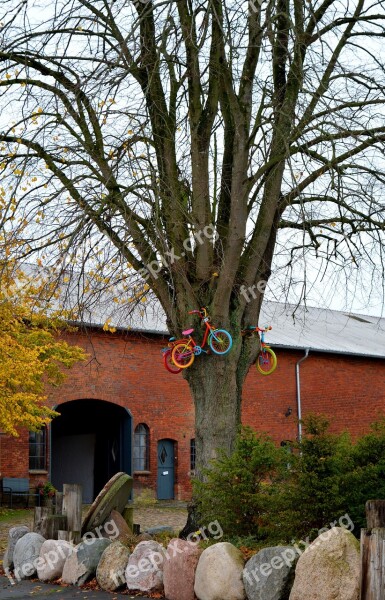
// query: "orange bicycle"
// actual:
[[220, 342], [266, 362]]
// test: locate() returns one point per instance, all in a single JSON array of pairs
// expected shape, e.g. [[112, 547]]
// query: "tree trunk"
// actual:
[[217, 399], [216, 387]]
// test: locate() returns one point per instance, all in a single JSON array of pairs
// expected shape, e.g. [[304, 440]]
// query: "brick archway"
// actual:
[[90, 442]]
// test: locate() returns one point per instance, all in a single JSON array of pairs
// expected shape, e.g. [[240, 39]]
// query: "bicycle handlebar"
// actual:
[[202, 312], [256, 328]]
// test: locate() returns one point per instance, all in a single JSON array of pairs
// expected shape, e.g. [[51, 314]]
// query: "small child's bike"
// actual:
[[220, 342], [167, 358], [266, 362]]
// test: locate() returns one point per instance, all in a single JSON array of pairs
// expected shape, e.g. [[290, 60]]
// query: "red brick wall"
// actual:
[[127, 369]]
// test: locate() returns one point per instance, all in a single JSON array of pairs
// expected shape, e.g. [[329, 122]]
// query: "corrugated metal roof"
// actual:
[[292, 327], [324, 330], [295, 327]]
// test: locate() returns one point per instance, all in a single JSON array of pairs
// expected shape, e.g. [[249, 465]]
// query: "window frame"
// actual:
[[37, 451], [142, 461], [192, 455]]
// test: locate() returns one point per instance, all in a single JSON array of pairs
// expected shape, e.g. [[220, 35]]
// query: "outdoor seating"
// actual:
[[13, 487]]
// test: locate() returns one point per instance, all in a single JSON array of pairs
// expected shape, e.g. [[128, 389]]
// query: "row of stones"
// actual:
[[328, 569]]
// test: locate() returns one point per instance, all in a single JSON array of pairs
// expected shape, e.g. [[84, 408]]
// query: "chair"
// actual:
[[16, 486]]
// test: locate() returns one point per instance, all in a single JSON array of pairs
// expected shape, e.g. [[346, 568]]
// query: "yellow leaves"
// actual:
[[130, 132], [8, 76], [31, 355], [108, 327]]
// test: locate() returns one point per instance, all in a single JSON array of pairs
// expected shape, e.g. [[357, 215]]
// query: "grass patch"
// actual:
[[9, 514]]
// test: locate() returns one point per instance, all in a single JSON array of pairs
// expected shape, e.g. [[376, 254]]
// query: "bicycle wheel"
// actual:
[[169, 363], [266, 361], [220, 341], [183, 355]]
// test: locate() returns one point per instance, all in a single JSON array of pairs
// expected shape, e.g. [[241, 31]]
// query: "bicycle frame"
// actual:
[[209, 328], [266, 355]]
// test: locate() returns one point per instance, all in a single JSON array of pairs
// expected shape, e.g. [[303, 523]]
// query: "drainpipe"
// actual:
[[298, 384]]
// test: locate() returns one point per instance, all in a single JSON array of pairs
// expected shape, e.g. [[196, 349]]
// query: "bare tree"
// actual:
[[190, 142]]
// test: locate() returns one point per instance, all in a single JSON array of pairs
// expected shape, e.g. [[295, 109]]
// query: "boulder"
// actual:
[[26, 555], [115, 527], [82, 563], [269, 574], [112, 567], [53, 555], [14, 534], [219, 573], [329, 568], [179, 569], [145, 567]]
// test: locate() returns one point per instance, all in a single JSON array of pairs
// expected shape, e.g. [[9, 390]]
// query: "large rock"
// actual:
[[179, 569], [26, 555], [269, 574], [145, 567], [112, 567], [53, 555], [114, 496], [14, 534], [329, 569], [219, 573], [115, 527], [81, 565]]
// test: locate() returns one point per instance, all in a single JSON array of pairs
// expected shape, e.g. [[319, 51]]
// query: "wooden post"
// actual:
[[373, 552], [72, 508], [53, 524], [74, 537], [59, 503], [41, 513], [63, 535], [128, 515]]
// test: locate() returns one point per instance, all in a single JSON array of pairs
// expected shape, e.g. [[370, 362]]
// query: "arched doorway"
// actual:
[[90, 441]]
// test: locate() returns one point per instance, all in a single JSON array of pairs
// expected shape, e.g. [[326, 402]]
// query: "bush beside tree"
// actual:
[[266, 495]]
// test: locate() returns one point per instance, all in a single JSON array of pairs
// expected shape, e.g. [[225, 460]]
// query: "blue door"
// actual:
[[165, 469]]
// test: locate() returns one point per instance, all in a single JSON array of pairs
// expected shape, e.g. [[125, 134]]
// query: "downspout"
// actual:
[[298, 385]]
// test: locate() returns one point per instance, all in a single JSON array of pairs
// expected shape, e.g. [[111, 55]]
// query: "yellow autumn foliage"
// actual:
[[31, 355]]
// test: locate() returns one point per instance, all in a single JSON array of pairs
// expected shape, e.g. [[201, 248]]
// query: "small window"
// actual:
[[38, 450], [192, 454], [141, 448]]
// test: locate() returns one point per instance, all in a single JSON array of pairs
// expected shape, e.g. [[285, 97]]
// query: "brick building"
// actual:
[[122, 410]]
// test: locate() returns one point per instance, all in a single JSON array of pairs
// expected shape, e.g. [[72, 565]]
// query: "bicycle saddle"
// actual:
[[187, 332]]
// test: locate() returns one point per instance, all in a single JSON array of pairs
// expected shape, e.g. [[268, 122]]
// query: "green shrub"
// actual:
[[365, 479], [236, 488], [309, 493], [262, 493]]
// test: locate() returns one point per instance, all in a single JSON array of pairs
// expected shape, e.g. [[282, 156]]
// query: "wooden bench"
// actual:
[[15, 486]]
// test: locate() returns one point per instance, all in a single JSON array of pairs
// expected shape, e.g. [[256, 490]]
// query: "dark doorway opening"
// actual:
[[91, 441]]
